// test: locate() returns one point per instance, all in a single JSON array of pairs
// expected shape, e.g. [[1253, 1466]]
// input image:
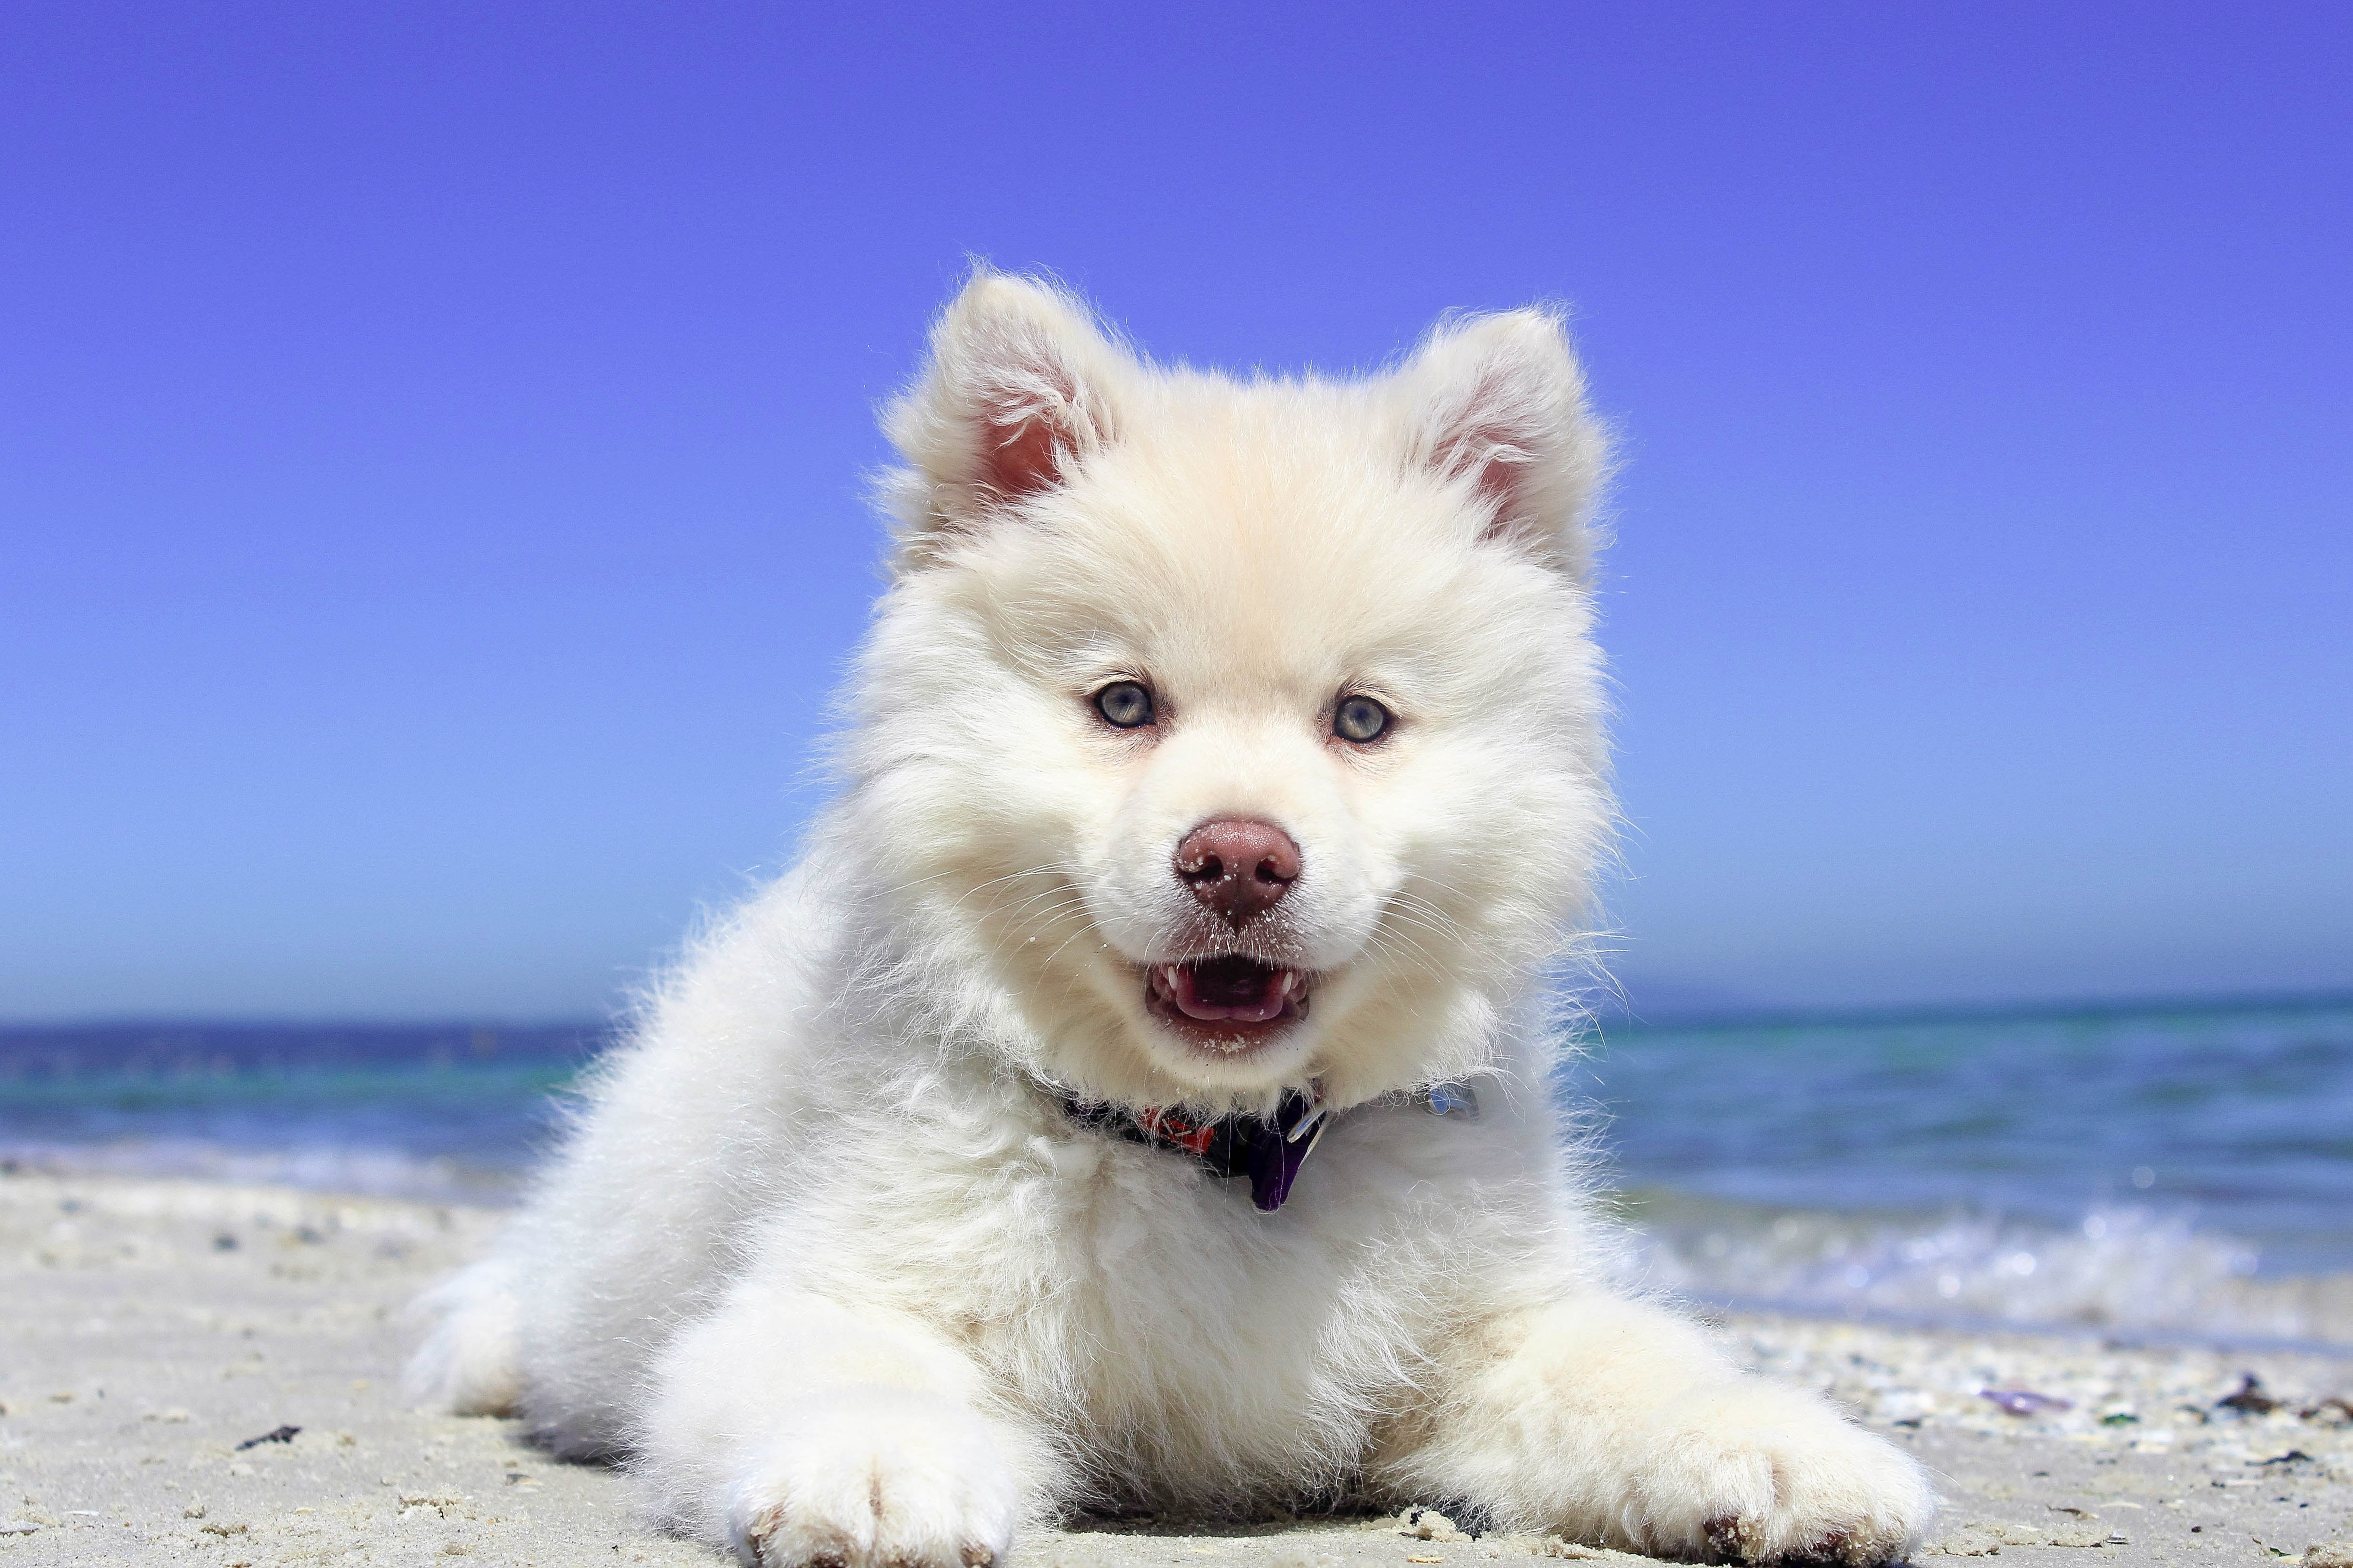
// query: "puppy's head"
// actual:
[[1215, 737]]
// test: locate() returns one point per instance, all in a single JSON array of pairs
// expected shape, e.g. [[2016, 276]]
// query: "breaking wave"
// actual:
[[2123, 1269], [363, 1172]]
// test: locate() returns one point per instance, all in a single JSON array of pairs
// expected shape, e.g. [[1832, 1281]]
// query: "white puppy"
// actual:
[[1225, 768]]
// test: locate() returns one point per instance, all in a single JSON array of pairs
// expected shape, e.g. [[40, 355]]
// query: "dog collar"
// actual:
[[1269, 1152]]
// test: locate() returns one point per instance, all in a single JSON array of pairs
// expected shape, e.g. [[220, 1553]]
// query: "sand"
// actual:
[[197, 1374]]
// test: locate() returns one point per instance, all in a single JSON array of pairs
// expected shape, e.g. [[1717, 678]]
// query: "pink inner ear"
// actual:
[[1498, 481], [1017, 456], [1490, 450]]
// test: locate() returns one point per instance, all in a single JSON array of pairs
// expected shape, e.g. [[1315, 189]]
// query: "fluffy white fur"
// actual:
[[825, 1259]]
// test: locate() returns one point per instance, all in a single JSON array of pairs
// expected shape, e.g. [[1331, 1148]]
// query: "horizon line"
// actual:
[[1607, 1013]]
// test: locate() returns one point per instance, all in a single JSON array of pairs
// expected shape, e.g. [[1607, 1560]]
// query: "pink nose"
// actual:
[[1238, 868]]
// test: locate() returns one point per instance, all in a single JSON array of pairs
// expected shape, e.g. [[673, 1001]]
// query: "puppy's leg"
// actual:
[[799, 1432], [469, 1365], [1614, 1421]]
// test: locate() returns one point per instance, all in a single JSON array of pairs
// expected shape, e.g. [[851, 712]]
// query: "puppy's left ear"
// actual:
[[1496, 404], [1018, 394]]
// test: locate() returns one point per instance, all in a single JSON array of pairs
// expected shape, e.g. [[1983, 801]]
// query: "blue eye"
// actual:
[[1360, 719], [1124, 704]]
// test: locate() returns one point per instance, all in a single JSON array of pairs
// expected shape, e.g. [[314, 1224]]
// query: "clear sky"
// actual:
[[432, 442]]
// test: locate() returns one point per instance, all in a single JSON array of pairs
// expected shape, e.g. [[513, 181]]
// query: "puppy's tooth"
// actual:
[[1168, 973]]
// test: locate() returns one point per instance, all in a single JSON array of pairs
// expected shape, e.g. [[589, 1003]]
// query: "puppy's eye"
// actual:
[[1124, 704], [1359, 719]]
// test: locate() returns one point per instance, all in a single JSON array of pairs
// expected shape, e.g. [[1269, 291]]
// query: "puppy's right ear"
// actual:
[[1018, 396]]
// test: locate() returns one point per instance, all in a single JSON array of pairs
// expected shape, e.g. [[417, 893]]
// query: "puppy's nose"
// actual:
[[1237, 867]]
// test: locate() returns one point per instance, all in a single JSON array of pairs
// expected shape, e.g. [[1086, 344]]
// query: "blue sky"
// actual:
[[432, 441]]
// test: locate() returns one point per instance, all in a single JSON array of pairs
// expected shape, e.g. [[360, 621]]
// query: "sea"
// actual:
[[2156, 1172]]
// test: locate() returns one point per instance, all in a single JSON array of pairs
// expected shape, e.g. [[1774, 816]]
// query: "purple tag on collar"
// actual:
[[1278, 1151]]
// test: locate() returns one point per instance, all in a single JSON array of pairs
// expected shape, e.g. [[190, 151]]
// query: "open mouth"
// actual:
[[1228, 1003]]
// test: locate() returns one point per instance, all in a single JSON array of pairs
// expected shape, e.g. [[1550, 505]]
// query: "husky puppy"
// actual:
[[1224, 771]]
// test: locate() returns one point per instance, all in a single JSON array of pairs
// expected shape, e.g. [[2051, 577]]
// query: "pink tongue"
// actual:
[[1190, 1002]]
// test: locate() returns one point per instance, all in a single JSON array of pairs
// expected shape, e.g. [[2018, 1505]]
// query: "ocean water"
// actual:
[[2154, 1172], [2159, 1171], [445, 1111]]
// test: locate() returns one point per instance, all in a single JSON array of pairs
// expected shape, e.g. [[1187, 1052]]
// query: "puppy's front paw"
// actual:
[[1758, 1473], [888, 1479]]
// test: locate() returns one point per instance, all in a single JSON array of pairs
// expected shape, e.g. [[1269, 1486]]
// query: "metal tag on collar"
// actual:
[[1314, 1118], [1456, 1100]]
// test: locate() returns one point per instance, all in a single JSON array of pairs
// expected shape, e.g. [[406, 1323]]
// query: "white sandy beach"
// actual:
[[152, 1330]]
